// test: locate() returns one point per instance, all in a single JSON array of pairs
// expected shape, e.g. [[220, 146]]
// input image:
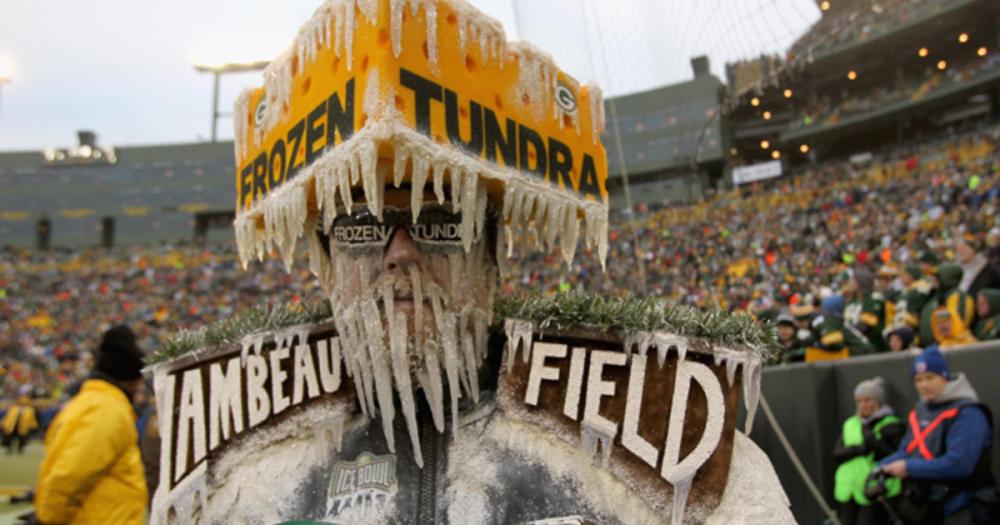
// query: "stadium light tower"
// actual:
[[217, 71]]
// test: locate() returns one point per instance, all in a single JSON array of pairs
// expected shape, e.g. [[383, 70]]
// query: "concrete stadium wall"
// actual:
[[811, 402]]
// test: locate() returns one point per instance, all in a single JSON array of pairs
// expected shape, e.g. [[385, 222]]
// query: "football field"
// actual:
[[18, 472]]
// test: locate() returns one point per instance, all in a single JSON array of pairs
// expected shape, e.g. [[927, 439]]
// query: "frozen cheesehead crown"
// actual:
[[426, 93]]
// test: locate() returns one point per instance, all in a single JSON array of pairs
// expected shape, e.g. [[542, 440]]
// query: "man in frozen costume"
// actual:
[[412, 148]]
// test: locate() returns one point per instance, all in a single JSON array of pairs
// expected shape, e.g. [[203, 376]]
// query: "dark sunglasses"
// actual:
[[437, 227]]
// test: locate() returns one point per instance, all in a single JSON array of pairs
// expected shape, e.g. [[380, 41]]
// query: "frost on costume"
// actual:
[[385, 414]]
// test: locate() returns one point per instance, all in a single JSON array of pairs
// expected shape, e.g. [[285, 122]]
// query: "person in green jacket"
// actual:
[[873, 433], [916, 292], [988, 310], [866, 308], [948, 297]]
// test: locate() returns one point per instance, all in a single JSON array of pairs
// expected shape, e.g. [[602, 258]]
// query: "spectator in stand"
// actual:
[[988, 310], [18, 424], [947, 298], [92, 471], [916, 292], [949, 333], [871, 434], [900, 339], [792, 350], [977, 272], [944, 458], [865, 310]]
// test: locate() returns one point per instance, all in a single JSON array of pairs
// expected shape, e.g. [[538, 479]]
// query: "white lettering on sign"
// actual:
[[243, 394], [597, 388], [665, 459], [225, 399], [191, 420], [539, 371], [633, 404], [571, 407], [688, 371]]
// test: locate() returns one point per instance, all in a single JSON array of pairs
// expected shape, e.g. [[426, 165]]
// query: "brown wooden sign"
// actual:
[[658, 412]]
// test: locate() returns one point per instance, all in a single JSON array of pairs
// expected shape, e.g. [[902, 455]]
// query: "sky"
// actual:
[[123, 68]]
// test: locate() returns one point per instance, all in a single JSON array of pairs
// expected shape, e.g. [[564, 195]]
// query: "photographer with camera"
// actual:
[[944, 459], [873, 433]]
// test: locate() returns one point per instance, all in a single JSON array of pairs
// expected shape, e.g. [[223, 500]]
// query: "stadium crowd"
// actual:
[[778, 249]]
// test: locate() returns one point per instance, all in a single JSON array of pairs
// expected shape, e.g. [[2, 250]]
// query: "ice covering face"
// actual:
[[413, 310]]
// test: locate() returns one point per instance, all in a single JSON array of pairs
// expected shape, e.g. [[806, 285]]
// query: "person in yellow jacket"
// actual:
[[92, 471], [17, 424]]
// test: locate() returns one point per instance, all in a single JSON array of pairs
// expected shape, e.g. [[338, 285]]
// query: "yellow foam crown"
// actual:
[[424, 92]]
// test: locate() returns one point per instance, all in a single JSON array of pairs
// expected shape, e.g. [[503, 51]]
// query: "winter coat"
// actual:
[[20, 420], [869, 316], [860, 445], [92, 471], [989, 327], [954, 458], [958, 303], [978, 275]]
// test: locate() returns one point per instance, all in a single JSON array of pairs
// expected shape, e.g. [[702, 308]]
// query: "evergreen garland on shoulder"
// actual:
[[566, 311]]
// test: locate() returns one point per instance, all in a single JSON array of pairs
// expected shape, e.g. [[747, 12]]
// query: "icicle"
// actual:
[[417, 181], [439, 182], [731, 365], [375, 336], [396, 25], [401, 157], [373, 180], [471, 362], [681, 490], [553, 222], [482, 199], [596, 111], [430, 12], [570, 235], [589, 439], [665, 341], [469, 194], [451, 365], [519, 334], [401, 374], [751, 390]]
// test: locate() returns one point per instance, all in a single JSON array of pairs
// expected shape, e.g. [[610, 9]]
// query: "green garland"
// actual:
[[565, 311]]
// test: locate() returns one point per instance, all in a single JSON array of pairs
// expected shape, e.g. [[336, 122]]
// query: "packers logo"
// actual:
[[565, 98]]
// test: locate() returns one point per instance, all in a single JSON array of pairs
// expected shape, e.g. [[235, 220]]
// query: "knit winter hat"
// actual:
[[873, 388], [932, 361], [119, 356]]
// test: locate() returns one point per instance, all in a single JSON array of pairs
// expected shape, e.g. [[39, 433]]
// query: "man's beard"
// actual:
[[444, 343]]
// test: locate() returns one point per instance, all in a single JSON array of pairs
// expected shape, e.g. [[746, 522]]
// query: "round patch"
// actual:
[[921, 367], [565, 98]]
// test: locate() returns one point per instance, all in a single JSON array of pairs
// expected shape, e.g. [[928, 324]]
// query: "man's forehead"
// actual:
[[400, 197]]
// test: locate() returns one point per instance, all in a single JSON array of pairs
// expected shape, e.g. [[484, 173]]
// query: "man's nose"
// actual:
[[401, 252]]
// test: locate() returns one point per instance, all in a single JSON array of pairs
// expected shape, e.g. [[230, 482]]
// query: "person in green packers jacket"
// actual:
[[866, 309], [988, 310], [873, 433], [916, 292], [950, 298], [831, 337]]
